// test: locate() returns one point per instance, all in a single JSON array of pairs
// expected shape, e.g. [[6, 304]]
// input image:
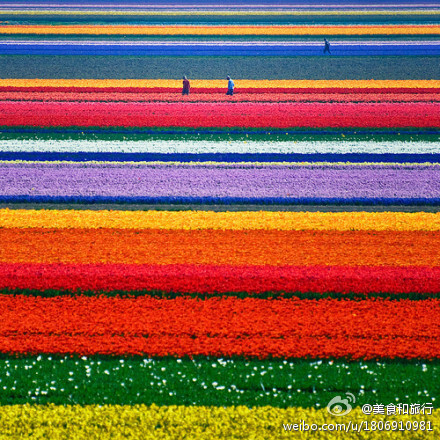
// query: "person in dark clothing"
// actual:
[[326, 47], [186, 86]]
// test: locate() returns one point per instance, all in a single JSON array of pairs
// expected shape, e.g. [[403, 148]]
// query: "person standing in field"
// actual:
[[231, 86], [326, 47], [186, 86]]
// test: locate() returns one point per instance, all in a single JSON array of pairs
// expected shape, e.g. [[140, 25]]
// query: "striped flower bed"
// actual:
[[221, 183], [212, 266], [277, 115], [214, 48], [220, 30]]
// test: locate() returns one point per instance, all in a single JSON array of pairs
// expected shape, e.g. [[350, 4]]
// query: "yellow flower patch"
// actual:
[[196, 220]]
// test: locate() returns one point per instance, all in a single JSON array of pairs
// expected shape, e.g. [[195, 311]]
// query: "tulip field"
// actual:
[[213, 266]]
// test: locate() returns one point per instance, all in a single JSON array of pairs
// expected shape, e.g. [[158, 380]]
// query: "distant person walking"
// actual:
[[186, 86], [231, 86], [326, 47]]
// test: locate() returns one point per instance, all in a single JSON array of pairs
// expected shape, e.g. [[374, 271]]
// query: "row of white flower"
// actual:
[[192, 146]]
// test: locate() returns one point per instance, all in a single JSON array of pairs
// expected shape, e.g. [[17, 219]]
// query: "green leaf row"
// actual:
[[199, 19], [219, 134], [213, 67], [52, 293], [212, 381]]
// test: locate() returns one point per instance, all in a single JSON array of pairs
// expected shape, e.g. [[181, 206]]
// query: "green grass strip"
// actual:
[[211, 381], [52, 293], [291, 135], [200, 19], [213, 67]]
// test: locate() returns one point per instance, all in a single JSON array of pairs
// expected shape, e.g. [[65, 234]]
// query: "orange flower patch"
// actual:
[[221, 327], [272, 247]]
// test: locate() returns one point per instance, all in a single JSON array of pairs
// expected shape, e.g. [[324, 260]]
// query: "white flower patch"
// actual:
[[197, 147]]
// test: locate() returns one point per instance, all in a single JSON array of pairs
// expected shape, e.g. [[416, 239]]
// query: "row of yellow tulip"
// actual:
[[197, 422], [196, 220]]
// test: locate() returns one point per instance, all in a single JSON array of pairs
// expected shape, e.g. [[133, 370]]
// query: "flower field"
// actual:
[[208, 266]]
